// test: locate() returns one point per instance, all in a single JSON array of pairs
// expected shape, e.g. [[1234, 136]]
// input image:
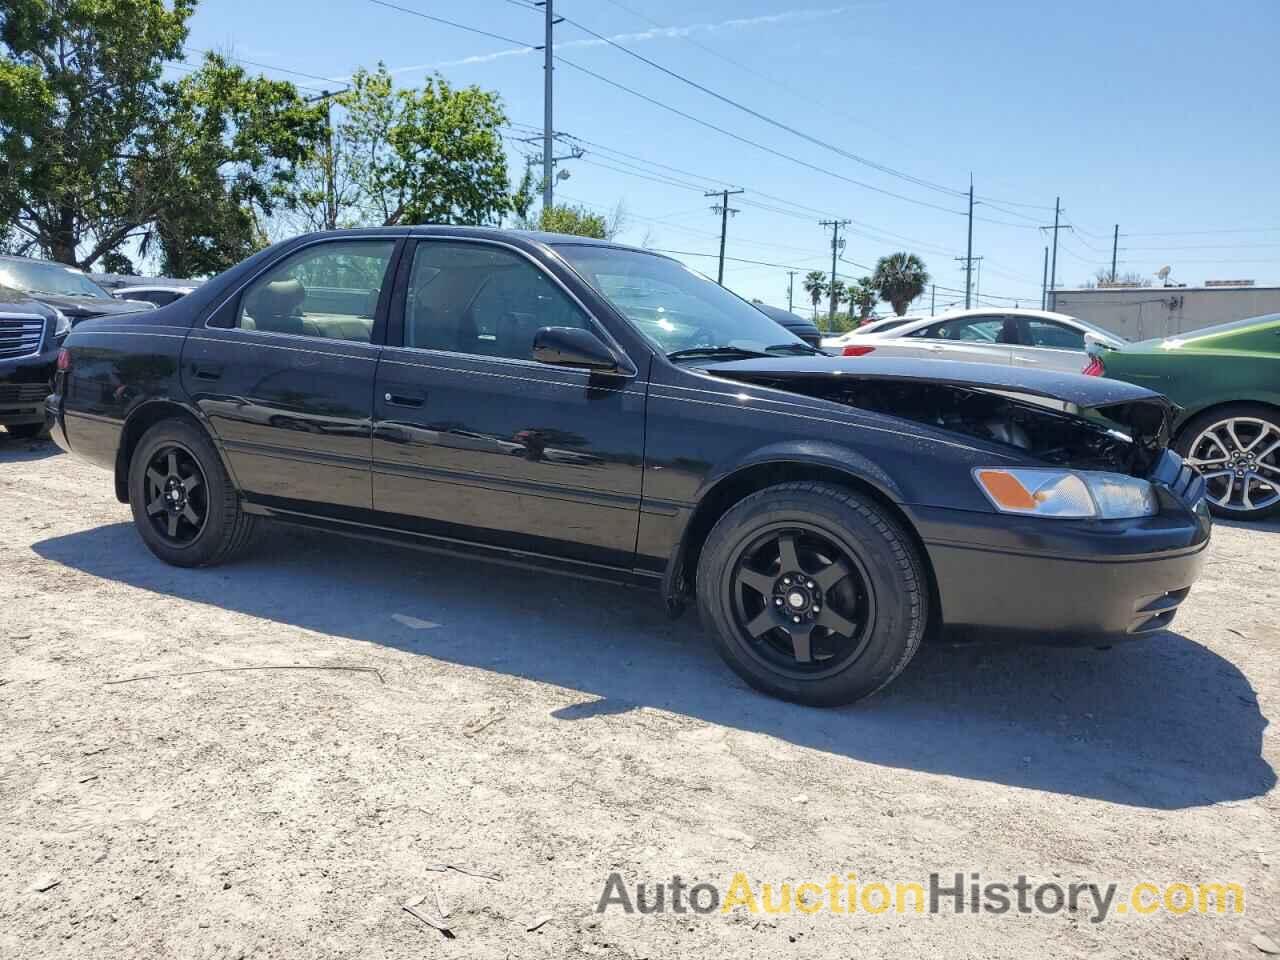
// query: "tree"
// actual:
[[578, 221], [427, 155], [95, 149], [815, 285], [899, 278], [1130, 278], [227, 154], [862, 297]]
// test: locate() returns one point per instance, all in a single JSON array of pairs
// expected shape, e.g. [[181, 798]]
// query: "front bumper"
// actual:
[[1072, 581], [24, 384]]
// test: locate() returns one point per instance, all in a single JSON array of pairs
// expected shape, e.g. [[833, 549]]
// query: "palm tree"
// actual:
[[899, 279], [815, 285], [863, 295]]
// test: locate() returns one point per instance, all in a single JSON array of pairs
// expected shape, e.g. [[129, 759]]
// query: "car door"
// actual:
[[474, 440], [1050, 345], [975, 338], [284, 372]]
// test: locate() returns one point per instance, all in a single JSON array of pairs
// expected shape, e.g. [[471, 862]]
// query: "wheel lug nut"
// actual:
[[810, 584], [777, 601], [816, 608], [787, 581], [796, 619]]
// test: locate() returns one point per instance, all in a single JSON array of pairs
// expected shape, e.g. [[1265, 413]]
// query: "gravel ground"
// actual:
[[550, 732]]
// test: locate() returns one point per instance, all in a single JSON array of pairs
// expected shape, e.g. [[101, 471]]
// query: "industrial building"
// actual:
[[1141, 313]]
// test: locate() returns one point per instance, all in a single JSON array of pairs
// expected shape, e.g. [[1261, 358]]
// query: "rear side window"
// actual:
[[329, 290], [475, 298], [1046, 333]]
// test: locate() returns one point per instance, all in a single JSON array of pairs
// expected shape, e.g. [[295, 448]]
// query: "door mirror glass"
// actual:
[[573, 347]]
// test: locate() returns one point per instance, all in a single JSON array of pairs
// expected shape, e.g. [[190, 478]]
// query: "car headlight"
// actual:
[[62, 325], [1067, 494]]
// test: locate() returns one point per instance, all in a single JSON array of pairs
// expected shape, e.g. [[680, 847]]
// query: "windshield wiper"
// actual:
[[798, 347], [693, 352]]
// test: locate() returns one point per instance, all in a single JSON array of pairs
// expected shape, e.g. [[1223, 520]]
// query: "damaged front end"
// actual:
[[1068, 421]]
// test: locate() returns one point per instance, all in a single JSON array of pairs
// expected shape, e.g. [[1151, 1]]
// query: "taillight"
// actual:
[[1094, 368], [856, 351], [64, 360]]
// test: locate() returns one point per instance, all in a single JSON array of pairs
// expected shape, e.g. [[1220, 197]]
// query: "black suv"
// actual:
[[30, 335], [64, 288], [543, 399]]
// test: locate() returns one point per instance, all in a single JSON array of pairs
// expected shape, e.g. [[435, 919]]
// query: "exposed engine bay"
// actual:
[[1123, 437]]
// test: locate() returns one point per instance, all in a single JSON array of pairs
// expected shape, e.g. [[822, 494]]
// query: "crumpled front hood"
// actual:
[[935, 392]]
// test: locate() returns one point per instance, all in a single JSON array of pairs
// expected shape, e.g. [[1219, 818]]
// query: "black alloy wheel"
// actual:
[[805, 601], [177, 494], [813, 592], [185, 506]]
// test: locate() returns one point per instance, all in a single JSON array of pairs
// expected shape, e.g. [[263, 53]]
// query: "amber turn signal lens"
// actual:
[[1006, 490]]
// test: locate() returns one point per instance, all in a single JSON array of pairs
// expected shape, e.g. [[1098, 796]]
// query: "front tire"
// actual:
[[185, 507], [1236, 448], [813, 592]]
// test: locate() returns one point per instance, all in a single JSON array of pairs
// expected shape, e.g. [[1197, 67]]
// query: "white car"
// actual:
[[1026, 338], [883, 325], [159, 294]]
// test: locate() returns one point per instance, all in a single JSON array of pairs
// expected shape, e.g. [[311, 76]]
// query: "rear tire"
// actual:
[[1236, 448], [813, 593], [185, 506], [29, 431]]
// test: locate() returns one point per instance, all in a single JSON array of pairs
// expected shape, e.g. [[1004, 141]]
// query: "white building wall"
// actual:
[[1142, 313]]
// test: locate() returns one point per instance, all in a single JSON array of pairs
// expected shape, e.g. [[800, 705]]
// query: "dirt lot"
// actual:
[[551, 732]]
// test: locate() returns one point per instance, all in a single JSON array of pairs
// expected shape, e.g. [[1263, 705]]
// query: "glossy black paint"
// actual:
[[608, 474]]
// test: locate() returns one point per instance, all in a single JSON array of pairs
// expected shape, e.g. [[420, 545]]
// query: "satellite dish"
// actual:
[[1163, 272]]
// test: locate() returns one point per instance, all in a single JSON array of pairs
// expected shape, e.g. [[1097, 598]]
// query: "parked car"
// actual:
[[1023, 338], [824, 512], [159, 295], [880, 326], [66, 288], [1226, 379], [806, 330], [31, 334]]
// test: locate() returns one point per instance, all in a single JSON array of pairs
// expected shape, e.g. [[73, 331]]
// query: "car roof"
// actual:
[[485, 233]]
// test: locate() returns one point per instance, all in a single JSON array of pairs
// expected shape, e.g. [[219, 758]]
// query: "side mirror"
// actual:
[[573, 347]]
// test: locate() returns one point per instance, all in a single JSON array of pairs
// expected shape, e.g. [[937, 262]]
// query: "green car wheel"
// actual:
[[1237, 450]]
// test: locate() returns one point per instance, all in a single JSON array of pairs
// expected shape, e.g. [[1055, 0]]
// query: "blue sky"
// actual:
[[1162, 118]]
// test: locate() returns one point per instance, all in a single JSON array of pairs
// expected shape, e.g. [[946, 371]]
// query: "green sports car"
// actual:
[[1227, 381]]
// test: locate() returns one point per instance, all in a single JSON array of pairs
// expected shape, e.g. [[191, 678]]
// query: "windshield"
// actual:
[[33, 276], [675, 308]]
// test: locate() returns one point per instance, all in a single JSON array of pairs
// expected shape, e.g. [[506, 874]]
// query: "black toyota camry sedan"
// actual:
[[604, 411]]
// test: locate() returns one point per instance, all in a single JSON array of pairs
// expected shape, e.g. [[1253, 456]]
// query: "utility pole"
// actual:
[[724, 210], [835, 226], [1053, 270], [1115, 243], [968, 275], [1044, 282], [548, 128], [968, 254], [791, 286], [933, 298]]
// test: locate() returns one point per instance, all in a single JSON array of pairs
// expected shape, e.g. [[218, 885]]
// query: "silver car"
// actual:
[[1027, 338]]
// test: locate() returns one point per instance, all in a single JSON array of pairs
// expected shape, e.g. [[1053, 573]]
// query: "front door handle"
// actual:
[[207, 371], [404, 400]]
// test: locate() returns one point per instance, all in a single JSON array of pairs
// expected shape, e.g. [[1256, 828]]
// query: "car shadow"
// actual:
[[13, 450], [1161, 722]]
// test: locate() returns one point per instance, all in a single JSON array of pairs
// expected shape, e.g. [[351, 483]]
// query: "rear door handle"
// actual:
[[207, 371], [404, 400]]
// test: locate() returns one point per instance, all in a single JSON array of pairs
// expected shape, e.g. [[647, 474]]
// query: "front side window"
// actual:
[[1058, 336], [480, 299], [328, 290]]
